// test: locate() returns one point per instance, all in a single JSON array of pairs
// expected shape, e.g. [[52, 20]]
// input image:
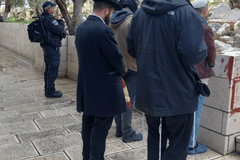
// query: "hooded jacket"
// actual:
[[166, 37], [120, 24]]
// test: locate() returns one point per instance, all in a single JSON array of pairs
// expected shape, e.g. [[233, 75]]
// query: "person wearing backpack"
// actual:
[[55, 30]]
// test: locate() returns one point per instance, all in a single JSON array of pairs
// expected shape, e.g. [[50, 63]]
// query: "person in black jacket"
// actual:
[[99, 89], [166, 37], [55, 31]]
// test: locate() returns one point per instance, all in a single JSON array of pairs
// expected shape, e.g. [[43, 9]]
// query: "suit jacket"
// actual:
[[205, 67], [99, 88]]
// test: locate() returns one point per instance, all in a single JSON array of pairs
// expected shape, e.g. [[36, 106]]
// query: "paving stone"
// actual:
[[210, 154], [23, 106], [7, 114], [232, 143], [18, 128], [231, 123], [18, 151], [77, 116], [63, 105], [42, 134], [59, 143], [16, 101], [116, 146], [55, 122], [19, 119], [35, 109], [8, 94], [135, 154], [212, 118], [55, 156], [233, 156], [8, 139], [69, 110], [76, 153], [74, 128], [52, 113], [29, 93], [59, 100]]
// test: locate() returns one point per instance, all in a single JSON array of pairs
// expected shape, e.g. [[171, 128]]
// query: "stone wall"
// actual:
[[220, 120], [14, 37]]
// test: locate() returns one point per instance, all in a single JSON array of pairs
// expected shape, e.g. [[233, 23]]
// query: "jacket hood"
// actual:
[[162, 6], [131, 4], [119, 16]]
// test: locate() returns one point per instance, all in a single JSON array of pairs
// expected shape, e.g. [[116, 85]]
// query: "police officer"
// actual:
[[55, 31]]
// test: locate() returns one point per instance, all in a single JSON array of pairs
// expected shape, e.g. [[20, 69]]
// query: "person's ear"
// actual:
[[106, 11]]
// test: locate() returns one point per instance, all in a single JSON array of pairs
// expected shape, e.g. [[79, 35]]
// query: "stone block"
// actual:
[[232, 142], [74, 127], [64, 42], [220, 94], [212, 119], [35, 109], [74, 153], [213, 140], [59, 143], [55, 156], [19, 119], [74, 67], [38, 135], [55, 122], [63, 66], [230, 123], [236, 40], [18, 151], [23, 106], [62, 73], [223, 30], [225, 39], [232, 15], [63, 51], [70, 41], [16, 101], [6, 114], [52, 113], [8, 139], [18, 128], [220, 11], [74, 56], [135, 154]]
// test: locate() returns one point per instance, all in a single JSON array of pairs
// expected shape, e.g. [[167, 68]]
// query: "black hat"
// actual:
[[113, 3], [48, 4]]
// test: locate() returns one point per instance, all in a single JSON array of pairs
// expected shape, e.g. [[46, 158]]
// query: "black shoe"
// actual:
[[133, 137], [54, 95], [118, 134]]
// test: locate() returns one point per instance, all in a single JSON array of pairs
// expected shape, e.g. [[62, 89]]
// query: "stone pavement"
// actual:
[[33, 127]]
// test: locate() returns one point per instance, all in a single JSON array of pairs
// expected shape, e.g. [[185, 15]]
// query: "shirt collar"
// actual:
[[98, 17]]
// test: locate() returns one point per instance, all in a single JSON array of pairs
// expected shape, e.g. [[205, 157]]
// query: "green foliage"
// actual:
[[17, 20], [37, 3], [17, 3]]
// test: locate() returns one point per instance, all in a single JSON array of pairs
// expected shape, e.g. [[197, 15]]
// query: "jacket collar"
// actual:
[[95, 17]]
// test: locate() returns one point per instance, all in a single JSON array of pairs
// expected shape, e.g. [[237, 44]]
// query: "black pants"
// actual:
[[177, 129], [52, 62], [94, 134]]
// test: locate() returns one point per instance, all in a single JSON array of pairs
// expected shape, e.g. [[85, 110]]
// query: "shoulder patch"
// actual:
[[55, 22]]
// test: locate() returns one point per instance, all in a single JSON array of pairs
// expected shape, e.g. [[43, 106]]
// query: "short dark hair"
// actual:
[[99, 6], [200, 10]]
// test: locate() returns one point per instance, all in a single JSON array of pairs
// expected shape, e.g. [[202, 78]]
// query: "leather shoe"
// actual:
[[54, 95]]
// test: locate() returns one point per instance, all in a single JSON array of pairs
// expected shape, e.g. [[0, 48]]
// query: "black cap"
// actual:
[[48, 4], [113, 3]]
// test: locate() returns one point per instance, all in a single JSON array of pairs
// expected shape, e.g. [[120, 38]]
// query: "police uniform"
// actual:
[[55, 31]]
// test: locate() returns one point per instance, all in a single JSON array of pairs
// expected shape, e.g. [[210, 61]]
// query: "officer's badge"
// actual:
[[55, 22]]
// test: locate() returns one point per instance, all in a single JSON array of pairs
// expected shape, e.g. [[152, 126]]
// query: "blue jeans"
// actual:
[[197, 121], [123, 121]]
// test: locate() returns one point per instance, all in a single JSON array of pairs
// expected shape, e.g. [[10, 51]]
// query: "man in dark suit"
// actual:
[[99, 91]]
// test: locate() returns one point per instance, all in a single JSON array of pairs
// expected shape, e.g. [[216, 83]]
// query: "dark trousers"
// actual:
[[123, 121], [52, 62], [94, 134], [175, 128]]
